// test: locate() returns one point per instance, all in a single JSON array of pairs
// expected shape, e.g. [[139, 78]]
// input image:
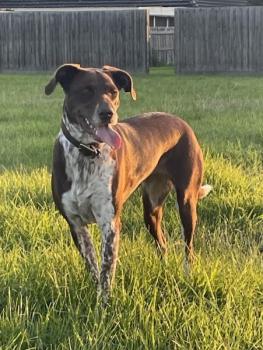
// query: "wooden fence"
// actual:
[[41, 40], [226, 39], [161, 46]]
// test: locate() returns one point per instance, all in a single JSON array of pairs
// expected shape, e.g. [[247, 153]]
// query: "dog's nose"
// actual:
[[106, 115]]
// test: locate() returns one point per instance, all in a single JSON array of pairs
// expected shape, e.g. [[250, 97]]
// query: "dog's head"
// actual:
[[92, 99]]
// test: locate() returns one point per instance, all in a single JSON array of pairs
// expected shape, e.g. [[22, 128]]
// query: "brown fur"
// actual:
[[170, 158]]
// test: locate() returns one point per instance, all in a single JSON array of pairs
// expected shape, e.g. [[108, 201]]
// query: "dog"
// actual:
[[98, 163]]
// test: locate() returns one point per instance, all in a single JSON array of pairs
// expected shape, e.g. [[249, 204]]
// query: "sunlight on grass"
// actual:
[[48, 298]]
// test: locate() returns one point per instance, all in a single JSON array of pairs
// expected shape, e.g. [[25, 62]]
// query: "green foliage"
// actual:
[[47, 299]]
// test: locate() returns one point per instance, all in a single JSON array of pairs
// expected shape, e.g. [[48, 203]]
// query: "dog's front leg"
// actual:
[[110, 247], [84, 244]]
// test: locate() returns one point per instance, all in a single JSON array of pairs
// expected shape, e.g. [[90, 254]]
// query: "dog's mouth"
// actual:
[[105, 134]]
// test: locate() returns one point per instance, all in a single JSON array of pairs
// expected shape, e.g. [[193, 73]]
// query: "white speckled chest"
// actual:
[[89, 199]]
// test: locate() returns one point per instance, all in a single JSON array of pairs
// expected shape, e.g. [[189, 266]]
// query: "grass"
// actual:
[[47, 300]]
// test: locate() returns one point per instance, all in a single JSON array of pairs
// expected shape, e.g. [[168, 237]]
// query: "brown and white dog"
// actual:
[[98, 163]]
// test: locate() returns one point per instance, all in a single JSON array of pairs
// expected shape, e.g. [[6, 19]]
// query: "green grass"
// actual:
[[47, 300]]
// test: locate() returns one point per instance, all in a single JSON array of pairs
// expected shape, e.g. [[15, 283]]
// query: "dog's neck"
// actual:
[[76, 131]]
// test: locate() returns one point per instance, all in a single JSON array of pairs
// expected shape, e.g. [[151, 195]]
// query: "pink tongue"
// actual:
[[108, 135]]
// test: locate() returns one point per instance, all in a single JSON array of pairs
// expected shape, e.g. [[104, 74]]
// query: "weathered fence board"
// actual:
[[161, 46], [228, 39], [40, 41]]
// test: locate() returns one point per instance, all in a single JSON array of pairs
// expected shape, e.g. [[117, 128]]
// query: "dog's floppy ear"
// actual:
[[122, 79], [63, 75]]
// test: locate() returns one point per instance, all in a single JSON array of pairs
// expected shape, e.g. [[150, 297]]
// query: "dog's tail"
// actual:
[[204, 190]]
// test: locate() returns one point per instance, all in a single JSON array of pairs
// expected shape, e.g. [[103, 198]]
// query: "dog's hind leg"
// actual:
[[85, 246], [187, 204], [154, 191]]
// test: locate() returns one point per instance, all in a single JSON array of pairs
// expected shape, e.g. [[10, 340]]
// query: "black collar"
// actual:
[[90, 150]]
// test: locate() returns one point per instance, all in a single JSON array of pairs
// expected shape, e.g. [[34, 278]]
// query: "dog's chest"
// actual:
[[89, 199]]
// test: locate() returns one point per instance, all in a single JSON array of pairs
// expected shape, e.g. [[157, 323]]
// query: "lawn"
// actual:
[[47, 300]]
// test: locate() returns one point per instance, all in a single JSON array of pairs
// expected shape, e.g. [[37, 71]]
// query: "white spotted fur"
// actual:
[[89, 199]]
